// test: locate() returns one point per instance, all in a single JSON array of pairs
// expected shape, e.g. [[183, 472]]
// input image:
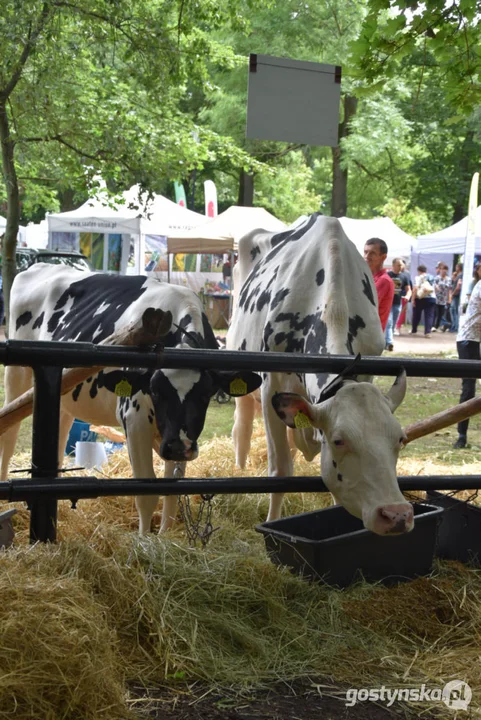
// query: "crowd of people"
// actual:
[[437, 298]]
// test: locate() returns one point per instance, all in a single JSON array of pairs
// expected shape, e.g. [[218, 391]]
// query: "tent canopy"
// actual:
[[398, 242], [92, 216], [158, 216], [223, 233], [21, 229], [450, 239]]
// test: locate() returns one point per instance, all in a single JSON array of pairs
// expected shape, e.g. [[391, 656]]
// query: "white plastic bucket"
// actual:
[[90, 454]]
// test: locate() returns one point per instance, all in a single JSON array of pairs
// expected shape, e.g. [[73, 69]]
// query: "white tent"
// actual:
[[216, 237], [133, 216], [21, 229], [36, 234], [93, 216], [223, 233], [450, 239], [445, 244], [399, 243]]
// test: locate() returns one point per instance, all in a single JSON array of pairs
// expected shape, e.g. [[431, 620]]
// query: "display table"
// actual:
[[216, 308]]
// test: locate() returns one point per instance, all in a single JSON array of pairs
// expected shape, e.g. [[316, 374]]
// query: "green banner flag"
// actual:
[[180, 198]]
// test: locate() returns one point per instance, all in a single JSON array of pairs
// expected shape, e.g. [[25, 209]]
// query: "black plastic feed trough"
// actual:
[[334, 546]]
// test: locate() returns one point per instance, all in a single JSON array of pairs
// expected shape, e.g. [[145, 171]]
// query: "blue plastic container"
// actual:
[[79, 432]]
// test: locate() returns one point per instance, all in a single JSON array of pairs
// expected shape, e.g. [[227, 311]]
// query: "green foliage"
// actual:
[[157, 89], [448, 34], [290, 191], [412, 220], [101, 88]]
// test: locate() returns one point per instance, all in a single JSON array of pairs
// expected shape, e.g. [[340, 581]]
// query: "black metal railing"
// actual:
[[48, 359]]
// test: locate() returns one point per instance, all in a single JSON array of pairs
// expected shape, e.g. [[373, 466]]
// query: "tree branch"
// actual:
[[280, 153], [368, 172], [62, 141], [179, 23], [96, 16], [28, 47]]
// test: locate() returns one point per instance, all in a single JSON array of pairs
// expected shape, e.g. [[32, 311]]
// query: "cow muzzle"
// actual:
[[178, 451], [393, 519]]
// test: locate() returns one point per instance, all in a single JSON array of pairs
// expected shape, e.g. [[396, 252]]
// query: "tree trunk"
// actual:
[[66, 198], [339, 174], [9, 242], [246, 189]]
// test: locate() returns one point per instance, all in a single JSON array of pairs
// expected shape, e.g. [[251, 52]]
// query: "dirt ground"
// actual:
[[439, 342], [404, 344], [282, 702]]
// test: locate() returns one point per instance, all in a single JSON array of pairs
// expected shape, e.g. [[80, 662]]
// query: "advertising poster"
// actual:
[[86, 244], [115, 252], [65, 241], [184, 262], [97, 256], [211, 263], [156, 253]]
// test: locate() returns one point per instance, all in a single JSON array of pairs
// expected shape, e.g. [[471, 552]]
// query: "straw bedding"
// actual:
[[82, 619]]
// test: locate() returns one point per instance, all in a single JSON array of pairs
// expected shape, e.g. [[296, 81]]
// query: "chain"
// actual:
[[198, 527]]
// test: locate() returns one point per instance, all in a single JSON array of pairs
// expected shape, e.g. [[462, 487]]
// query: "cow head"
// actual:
[[180, 399], [361, 440]]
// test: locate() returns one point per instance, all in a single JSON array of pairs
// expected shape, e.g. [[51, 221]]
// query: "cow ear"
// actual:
[[125, 383], [294, 410], [237, 383]]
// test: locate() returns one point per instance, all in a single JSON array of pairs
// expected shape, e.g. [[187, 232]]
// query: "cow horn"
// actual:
[[396, 394], [189, 335]]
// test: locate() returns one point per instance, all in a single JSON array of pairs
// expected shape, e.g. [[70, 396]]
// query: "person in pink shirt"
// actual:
[[375, 253]]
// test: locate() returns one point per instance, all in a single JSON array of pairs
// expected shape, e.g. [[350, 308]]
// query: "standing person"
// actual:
[[375, 253], [456, 282], [424, 300], [404, 299], [442, 290], [226, 272], [401, 283], [2, 302], [473, 282], [467, 344]]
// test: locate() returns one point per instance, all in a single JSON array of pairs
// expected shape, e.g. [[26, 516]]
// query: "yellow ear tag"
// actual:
[[301, 420], [123, 388], [238, 387]]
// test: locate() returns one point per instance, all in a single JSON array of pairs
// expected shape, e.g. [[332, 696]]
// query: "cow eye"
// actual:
[[338, 443]]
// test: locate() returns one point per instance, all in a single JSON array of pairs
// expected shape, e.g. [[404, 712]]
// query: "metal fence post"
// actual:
[[46, 414]]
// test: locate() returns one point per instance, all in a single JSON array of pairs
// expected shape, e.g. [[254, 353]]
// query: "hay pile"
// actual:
[[81, 619], [58, 655]]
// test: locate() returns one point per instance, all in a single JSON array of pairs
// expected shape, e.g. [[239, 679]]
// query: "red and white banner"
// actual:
[[210, 195]]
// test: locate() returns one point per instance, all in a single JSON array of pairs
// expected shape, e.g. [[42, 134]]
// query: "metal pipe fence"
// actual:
[[48, 359]]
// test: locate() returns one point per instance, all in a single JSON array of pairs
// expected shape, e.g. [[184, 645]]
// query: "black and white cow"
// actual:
[[308, 290], [166, 409]]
